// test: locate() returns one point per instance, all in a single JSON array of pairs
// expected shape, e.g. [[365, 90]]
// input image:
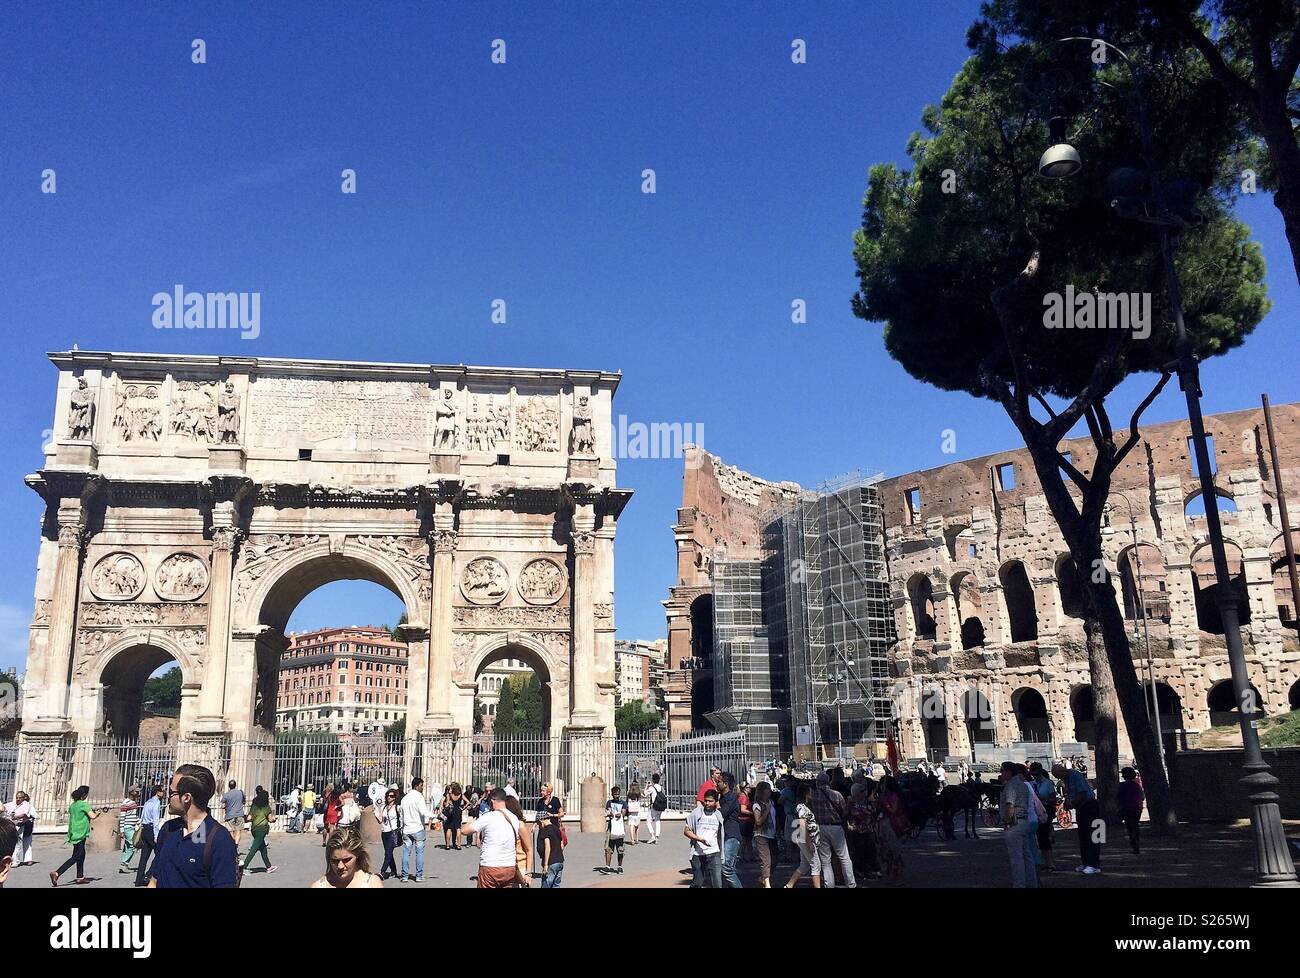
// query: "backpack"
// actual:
[[660, 803]]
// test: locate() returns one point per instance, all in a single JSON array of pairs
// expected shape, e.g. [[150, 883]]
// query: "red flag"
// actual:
[[891, 751]]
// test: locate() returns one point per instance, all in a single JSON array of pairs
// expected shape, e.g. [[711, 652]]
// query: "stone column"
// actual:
[[63, 618], [947, 635], [443, 540], [212, 697], [584, 624]]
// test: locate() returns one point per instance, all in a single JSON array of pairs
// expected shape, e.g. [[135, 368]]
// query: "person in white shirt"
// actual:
[[498, 833], [416, 820], [942, 775], [376, 793], [349, 812], [652, 792], [23, 816], [704, 829], [510, 788], [615, 831]]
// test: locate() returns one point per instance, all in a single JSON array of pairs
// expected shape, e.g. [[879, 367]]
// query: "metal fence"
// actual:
[[112, 767]]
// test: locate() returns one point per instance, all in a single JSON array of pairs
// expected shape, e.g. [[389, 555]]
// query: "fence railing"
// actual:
[[111, 768]]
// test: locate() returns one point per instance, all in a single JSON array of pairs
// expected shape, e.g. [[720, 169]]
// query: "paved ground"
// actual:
[[1200, 857]]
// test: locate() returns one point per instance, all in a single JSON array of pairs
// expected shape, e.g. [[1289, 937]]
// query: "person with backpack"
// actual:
[[194, 851], [658, 805]]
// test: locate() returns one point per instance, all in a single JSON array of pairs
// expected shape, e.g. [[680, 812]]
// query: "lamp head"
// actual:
[[1060, 160]]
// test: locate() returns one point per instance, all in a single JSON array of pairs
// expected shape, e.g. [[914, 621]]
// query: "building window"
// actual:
[[914, 505], [1006, 474]]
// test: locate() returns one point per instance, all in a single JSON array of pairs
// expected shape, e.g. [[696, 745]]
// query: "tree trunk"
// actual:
[[1133, 707], [1082, 533], [1106, 732], [1284, 154]]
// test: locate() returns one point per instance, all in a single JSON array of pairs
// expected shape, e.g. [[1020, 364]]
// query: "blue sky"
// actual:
[[520, 181]]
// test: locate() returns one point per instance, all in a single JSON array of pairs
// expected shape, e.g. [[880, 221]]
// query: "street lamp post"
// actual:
[[1273, 863]]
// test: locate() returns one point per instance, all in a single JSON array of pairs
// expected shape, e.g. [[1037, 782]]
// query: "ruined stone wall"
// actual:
[[955, 558], [721, 510]]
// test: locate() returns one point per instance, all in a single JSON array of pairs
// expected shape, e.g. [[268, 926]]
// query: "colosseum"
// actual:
[[989, 646]]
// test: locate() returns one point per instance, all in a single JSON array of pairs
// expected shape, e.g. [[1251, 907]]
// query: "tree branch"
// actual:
[[1099, 382], [1133, 436], [1046, 407], [1237, 87]]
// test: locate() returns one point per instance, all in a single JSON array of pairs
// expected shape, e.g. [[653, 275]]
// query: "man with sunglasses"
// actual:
[[194, 851]]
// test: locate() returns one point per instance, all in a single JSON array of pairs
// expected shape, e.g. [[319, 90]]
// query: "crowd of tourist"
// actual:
[[841, 827]]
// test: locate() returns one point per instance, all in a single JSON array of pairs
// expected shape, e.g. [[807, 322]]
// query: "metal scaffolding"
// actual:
[[827, 605]]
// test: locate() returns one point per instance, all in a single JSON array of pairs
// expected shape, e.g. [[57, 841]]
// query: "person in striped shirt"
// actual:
[[129, 824]]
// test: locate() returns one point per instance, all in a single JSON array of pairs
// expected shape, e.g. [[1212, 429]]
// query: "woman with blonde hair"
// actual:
[[347, 864]]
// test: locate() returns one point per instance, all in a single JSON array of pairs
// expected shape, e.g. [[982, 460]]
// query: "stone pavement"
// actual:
[[1201, 856]]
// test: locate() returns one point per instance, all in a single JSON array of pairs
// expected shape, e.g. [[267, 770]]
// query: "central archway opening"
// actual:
[[512, 711], [332, 677]]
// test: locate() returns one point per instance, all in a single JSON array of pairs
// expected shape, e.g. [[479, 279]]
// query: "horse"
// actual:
[[966, 799]]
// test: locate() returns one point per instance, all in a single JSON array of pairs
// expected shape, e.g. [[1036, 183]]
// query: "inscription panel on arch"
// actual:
[[292, 410]]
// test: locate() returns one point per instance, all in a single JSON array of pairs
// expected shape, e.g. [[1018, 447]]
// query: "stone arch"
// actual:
[[551, 669], [1293, 696], [1221, 701], [920, 594], [109, 685], [970, 611], [1144, 582], [934, 721], [960, 539], [978, 716], [1278, 566], [1069, 586], [1032, 716], [287, 577], [1083, 711], [702, 699], [1169, 708], [1193, 498], [291, 577], [1205, 586], [1018, 598]]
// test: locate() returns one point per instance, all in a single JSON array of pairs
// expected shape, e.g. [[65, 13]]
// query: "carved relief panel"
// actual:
[[138, 411], [542, 582], [117, 577]]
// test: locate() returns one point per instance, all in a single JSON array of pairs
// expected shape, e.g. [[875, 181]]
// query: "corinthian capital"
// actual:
[[444, 541], [225, 537], [584, 542], [71, 534]]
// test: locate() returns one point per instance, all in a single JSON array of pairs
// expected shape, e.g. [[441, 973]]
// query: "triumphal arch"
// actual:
[[192, 502]]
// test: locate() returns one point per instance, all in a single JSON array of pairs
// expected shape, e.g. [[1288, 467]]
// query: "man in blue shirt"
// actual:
[[1087, 815], [195, 851], [151, 819]]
